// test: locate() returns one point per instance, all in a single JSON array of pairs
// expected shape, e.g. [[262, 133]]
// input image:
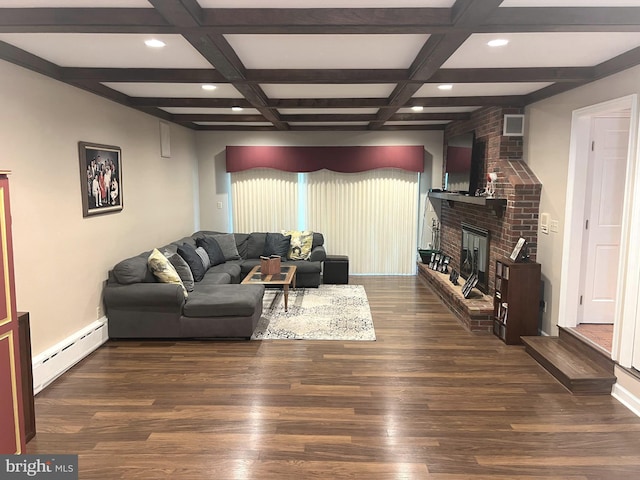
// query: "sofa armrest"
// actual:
[[318, 254], [161, 297]]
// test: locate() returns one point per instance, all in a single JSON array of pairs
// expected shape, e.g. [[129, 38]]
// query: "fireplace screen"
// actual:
[[474, 257]]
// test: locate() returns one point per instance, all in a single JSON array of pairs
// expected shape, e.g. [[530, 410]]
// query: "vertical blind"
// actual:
[[370, 216], [264, 200]]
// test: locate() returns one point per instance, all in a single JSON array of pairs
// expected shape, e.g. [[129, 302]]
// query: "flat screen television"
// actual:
[[464, 164]]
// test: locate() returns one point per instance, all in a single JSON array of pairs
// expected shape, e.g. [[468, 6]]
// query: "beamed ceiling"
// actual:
[[321, 64]]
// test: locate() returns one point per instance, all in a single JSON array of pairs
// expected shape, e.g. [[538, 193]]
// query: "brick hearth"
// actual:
[[475, 312]]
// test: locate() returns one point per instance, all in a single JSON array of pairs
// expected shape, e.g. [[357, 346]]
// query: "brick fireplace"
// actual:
[[515, 182]]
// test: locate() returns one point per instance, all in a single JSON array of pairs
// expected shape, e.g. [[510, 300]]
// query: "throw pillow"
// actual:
[[163, 270], [214, 252], [276, 244], [228, 246], [255, 245], [190, 256], [183, 270], [300, 247], [204, 257]]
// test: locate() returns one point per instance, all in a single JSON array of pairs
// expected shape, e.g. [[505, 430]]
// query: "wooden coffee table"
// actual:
[[286, 278]]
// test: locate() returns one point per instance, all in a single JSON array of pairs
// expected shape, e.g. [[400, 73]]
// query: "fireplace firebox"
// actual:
[[474, 255]]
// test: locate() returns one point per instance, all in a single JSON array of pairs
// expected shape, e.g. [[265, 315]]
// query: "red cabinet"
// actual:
[[12, 439]]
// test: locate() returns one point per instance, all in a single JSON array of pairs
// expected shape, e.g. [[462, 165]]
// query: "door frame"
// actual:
[[626, 303]]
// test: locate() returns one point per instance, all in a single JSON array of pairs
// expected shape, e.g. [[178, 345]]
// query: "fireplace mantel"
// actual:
[[496, 204]]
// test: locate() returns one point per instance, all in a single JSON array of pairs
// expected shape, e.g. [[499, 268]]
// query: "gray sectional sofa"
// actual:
[[138, 306]]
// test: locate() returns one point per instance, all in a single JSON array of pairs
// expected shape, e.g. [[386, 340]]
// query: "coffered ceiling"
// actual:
[[321, 64]]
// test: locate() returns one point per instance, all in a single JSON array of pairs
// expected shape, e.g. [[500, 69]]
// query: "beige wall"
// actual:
[[547, 153], [214, 186], [61, 258]]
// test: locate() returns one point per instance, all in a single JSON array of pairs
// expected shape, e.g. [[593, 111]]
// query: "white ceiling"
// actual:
[[327, 51], [558, 49], [327, 90], [212, 111], [188, 90], [375, 45], [480, 89], [107, 50]]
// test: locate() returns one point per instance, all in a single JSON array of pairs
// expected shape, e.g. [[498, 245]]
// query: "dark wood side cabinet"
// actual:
[[26, 370], [516, 300]]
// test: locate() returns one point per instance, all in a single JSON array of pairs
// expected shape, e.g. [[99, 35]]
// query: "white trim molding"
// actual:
[[53, 362]]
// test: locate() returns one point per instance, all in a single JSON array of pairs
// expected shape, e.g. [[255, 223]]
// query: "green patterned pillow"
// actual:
[[162, 269], [300, 246]]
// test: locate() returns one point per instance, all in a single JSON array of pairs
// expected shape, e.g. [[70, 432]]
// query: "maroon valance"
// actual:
[[339, 159]]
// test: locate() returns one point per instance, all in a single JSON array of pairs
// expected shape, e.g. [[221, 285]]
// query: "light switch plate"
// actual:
[[544, 223], [555, 226]]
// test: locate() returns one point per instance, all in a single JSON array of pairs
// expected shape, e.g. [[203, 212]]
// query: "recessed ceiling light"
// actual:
[[417, 108], [237, 109], [208, 87], [498, 42], [154, 43], [446, 86]]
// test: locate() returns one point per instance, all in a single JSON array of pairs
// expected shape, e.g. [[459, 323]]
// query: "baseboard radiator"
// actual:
[[56, 360]]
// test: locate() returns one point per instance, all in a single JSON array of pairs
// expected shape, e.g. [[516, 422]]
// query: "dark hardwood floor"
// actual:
[[427, 400]]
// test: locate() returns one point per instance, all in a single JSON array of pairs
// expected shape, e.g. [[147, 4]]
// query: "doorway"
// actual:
[[595, 217]]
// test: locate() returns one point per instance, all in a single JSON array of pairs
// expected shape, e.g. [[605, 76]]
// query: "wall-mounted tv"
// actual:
[[464, 164]]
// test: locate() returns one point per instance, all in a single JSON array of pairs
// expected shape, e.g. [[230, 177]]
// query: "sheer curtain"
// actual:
[[264, 200], [370, 216]]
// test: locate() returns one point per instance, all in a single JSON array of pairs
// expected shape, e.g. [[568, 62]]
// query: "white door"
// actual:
[[603, 222]]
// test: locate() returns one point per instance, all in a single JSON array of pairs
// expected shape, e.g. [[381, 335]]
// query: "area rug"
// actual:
[[329, 312]]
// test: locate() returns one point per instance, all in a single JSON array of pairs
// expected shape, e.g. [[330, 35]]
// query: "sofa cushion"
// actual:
[[133, 270], [276, 244], [212, 247], [215, 278], [183, 270], [255, 245], [162, 269], [190, 256], [223, 300], [227, 242], [300, 245], [232, 267]]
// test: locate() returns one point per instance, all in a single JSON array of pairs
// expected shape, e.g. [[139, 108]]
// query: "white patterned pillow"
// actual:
[[300, 245], [163, 270]]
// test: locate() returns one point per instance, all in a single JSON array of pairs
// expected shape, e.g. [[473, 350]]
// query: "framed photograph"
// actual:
[[469, 285], [518, 248], [100, 178]]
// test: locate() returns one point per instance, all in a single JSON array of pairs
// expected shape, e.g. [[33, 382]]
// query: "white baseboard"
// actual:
[[625, 397], [56, 360]]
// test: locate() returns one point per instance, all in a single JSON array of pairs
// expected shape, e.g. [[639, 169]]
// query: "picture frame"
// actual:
[[518, 249], [444, 267], [469, 285], [100, 178], [436, 261]]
